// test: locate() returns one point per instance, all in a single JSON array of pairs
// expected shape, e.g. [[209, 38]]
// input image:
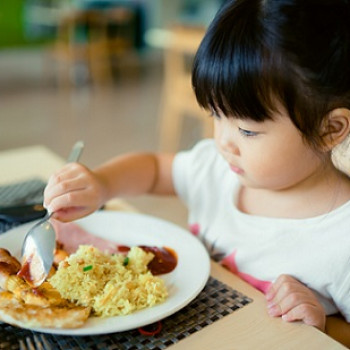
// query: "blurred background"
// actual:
[[114, 73]]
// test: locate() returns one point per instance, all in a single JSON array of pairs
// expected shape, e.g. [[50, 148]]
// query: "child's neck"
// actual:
[[317, 195]]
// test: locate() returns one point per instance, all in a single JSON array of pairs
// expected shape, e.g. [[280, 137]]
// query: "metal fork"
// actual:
[[38, 342]]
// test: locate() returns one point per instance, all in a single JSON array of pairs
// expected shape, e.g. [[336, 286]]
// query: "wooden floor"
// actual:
[[111, 120]]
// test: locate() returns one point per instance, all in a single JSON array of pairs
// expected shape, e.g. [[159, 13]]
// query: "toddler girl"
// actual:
[[264, 195]]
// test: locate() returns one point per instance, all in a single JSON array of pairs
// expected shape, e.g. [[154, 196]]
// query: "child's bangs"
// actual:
[[235, 83], [230, 73]]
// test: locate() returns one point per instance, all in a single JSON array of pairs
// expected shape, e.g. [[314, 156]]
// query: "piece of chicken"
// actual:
[[9, 265], [43, 296], [29, 307]]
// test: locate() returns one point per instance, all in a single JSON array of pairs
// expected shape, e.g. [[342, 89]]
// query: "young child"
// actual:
[[264, 195]]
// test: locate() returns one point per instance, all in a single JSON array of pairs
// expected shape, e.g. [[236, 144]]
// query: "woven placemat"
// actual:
[[215, 302]]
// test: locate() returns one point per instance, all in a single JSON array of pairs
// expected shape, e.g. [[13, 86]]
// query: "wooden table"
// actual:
[[247, 328]]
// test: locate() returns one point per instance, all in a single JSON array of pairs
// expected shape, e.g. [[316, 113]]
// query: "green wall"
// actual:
[[11, 23], [12, 33]]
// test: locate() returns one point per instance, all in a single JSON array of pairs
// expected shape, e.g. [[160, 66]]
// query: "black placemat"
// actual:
[[215, 302], [20, 193], [24, 192]]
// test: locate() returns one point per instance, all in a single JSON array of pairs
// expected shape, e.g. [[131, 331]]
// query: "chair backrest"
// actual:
[[81, 27], [178, 100]]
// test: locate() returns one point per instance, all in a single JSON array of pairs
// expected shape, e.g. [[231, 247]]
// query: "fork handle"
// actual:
[[76, 152]]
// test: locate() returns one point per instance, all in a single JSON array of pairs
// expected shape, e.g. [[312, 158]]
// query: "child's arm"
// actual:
[[294, 301], [76, 191]]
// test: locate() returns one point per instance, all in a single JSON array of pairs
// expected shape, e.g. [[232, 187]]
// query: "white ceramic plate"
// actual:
[[183, 284]]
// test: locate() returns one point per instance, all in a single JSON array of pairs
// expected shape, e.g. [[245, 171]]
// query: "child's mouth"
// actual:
[[236, 170]]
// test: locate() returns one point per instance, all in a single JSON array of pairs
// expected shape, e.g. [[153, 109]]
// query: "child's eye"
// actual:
[[247, 133]]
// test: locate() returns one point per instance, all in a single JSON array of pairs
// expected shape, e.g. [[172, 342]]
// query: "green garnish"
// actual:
[[126, 261], [87, 268]]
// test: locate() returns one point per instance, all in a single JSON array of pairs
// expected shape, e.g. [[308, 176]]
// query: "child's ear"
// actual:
[[335, 128]]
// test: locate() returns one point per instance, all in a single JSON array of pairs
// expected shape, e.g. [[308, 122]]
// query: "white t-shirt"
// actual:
[[316, 251]]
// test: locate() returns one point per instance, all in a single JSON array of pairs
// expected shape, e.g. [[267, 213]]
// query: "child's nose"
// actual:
[[228, 144]]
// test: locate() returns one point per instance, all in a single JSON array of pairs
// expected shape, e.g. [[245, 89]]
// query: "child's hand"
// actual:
[[293, 301], [73, 192]]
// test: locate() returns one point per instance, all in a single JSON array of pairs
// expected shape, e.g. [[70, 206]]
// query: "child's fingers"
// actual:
[[298, 313], [284, 294], [283, 285], [294, 301], [72, 192], [307, 313], [88, 198], [74, 198], [64, 182], [284, 303], [67, 171], [71, 214], [66, 186]]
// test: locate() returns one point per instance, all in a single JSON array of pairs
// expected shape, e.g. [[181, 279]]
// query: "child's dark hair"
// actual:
[[295, 51]]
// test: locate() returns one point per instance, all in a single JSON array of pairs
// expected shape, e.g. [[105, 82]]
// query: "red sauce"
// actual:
[[123, 248], [164, 261], [24, 272]]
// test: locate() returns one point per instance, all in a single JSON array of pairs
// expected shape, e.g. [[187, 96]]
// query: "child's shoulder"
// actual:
[[205, 145], [202, 158], [204, 150]]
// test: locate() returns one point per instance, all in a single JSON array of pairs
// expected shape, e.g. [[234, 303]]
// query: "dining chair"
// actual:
[[81, 48], [178, 100], [90, 41], [121, 28]]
